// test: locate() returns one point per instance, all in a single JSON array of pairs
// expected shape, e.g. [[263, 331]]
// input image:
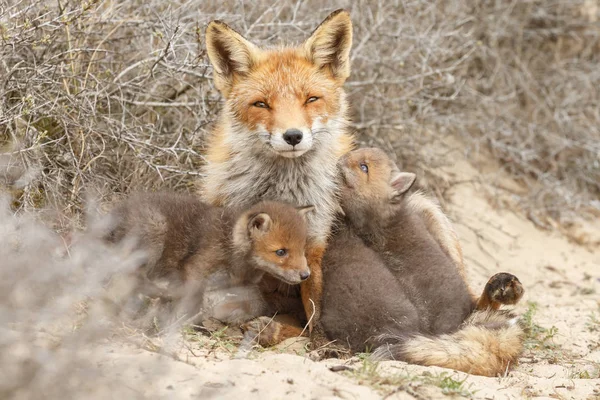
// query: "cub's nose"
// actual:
[[304, 275], [292, 136]]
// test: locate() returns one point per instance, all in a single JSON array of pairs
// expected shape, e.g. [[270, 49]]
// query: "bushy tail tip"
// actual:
[[487, 344]]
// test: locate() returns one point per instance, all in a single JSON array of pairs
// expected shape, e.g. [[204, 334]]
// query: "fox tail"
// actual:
[[487, 343]]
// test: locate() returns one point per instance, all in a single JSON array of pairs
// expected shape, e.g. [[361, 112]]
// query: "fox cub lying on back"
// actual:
[[282, 129], [189, 244], [414, 303]]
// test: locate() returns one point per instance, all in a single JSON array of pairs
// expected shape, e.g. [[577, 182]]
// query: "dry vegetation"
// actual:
[[109, 96]]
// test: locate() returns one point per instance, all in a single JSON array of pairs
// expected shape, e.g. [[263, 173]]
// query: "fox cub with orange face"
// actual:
[[413, 301], [282, 128], [189, 245]]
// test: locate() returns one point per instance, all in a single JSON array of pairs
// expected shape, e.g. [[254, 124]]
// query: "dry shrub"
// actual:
[[519, 78], [66, 304], [117, 95], [48, 336]]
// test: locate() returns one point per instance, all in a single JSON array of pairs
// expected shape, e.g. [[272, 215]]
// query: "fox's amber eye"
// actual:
[[312, 99], [260, 104], [281, 252], [364, 167]]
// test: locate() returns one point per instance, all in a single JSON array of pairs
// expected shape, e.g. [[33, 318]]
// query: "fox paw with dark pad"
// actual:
[[504, 288]]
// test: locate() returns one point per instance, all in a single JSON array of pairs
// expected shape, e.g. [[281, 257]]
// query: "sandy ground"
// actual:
[[562, 360]]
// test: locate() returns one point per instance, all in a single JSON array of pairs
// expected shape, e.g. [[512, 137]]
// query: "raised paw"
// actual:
[[502, 288], [505, 288]]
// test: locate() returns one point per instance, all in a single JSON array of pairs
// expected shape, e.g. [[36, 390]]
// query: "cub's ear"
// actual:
[[259, 224], [329, 45], [229, 54], [400, 183], [303, 211]]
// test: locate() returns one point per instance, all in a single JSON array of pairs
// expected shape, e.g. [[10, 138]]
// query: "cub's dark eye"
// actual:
[[260, 104], [281, 252], [364, 167], [312, 99]]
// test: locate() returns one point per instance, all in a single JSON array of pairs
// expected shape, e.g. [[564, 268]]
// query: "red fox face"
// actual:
[[283, 99], [371, 178], [276, 236]]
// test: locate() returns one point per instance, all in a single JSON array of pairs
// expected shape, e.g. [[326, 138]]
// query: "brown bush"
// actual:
[[117, 95]]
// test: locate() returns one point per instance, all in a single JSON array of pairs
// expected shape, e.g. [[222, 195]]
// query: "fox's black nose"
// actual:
[[304, 275], [292, 136]]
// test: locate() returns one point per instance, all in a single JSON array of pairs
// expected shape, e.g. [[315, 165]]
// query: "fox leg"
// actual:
[[311, 292], [282, 301], [502, 288], [268, 331]]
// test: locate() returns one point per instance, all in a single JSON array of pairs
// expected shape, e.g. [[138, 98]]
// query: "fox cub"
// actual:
[[282, 129], [192, 247], [414, 303]]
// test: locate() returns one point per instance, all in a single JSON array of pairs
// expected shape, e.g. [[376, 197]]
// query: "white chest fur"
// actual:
[[253, 173]]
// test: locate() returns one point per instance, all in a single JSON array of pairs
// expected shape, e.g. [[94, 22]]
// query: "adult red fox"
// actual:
[[282, 129]]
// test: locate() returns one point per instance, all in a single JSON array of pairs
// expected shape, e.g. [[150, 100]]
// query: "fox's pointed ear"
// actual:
[[259, 224], [229, 53], [400, 183], [303, 211], [329, 45]]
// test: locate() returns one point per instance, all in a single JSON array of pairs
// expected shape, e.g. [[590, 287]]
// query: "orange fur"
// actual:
[[312, 289], [484, 303], [287, 109], [271, 331], [217, 150], [347, 144]]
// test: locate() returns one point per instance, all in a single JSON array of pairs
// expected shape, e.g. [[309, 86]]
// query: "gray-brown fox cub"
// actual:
[[391, 283], [192, 247]]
